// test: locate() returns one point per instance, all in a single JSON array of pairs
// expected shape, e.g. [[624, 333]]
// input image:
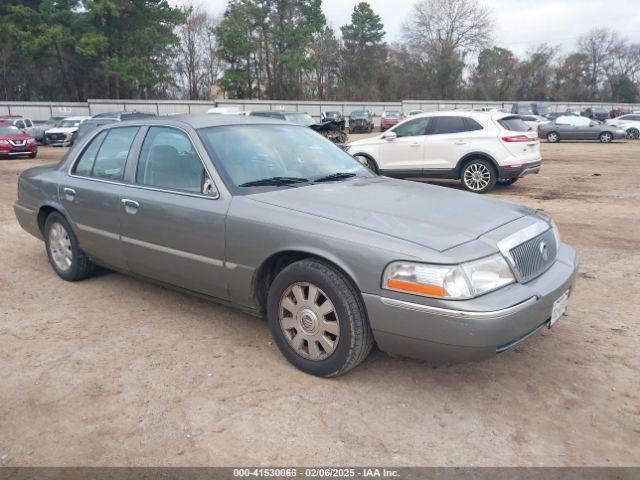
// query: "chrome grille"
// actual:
[[531, 258]]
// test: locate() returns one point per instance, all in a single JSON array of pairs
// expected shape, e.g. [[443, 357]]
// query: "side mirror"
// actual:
[[390, 136]]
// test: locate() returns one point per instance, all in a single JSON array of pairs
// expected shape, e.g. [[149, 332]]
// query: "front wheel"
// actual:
[[66, 258], [33, 155], [633, 134], [479, 176], [606, 137], [317, 319]]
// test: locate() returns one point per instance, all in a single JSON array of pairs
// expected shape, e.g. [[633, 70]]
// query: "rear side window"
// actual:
[[442, 125], [514, 124], [106, 155], [472, 125]]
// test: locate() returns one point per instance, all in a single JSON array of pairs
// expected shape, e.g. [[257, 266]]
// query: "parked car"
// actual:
[[534, 120], [63, 134], [479, 148], [621, 120], [273, 219], [26, 125], [619, 111], [390, 118], [567, 113], [126, 115], [360, 121], [300, 118], [632, 130], [332, 116], [530, 108], [225, 111], [415, 112], [579, 128], [90, 125], [50, 123], [596, 113], [15, 143]]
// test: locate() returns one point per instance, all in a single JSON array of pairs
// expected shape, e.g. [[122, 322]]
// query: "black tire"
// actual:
[[553, 137], [505, 182], [370, 163], [488, 179], [605, 137], [33, 155], [351, 131], [633, 134], [355, 340], [81, 267]]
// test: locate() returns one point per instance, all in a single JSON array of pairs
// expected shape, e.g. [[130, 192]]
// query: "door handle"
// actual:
[[69, 194], [460, 142], [130, 206], [415, 144]]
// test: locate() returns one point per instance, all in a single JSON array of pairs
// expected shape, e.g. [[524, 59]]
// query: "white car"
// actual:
[[225, 111], [63, 134], [632, 129], [479, 148], [623, 120]]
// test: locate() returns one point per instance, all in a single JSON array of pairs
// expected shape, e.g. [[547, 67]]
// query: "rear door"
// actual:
[[448, 140], [173, 226], [406, 151], [91, 194]]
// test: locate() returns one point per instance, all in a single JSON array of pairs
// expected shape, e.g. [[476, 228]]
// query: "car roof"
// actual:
[[79, 117], [206, 120]]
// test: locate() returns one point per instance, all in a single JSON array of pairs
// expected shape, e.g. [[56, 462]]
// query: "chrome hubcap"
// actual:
[[606, 138], [60, 247], [552, 137], [309, 321], [477, 176]]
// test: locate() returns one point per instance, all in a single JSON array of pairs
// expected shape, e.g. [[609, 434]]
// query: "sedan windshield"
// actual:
[[358, 113], [277, 156], [303, 119]]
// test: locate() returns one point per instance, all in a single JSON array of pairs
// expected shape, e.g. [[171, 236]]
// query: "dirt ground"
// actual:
[[116, 371]]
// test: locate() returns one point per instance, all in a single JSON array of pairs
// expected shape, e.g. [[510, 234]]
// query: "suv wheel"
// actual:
[[479, 176], [633, 134], [317, 319], [65, 257], [553, 137], [605, 137]]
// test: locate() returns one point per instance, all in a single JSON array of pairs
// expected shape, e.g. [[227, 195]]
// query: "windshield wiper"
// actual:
[[275, 181], [335, 176]]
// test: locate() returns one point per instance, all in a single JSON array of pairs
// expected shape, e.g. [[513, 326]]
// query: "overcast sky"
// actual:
[[520, 24]]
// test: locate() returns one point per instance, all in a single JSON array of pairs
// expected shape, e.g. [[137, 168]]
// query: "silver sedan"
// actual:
[[272, 218]]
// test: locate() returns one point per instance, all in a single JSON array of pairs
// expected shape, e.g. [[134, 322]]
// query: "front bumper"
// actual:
[[471, 329], [29, 150], [525, 169]]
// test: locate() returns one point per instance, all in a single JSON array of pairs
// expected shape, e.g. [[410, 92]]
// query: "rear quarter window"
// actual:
[[514, 124]]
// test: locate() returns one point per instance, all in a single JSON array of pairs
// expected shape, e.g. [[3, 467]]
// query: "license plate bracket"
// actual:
[[559, 308]]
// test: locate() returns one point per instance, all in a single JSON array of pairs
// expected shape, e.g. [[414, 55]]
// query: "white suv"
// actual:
[[479, 148]]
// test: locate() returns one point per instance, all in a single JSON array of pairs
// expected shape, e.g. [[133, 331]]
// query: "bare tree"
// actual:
[[597, 46], [193, 34], [444, 33]]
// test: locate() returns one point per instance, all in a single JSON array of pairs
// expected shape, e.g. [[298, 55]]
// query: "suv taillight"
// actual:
[[518, 138]]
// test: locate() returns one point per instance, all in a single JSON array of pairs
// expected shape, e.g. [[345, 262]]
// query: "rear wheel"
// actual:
[[65, 256], [479, 176], [553, 137], [317, 319], [606, 137], [507, 181]]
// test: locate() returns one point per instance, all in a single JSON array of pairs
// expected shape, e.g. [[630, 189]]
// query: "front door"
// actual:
[[92, 192], [405, 152], [448, 140], [173, 229]]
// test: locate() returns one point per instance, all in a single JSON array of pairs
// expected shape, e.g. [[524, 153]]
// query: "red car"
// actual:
[[14, 142], [390, 118]]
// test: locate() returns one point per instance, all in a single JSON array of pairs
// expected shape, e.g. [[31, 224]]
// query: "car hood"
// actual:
[[15, 136], [62, 130], [439, 218]]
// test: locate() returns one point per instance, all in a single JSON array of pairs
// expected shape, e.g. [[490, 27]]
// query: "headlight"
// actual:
[[31, 140], [455, 282]]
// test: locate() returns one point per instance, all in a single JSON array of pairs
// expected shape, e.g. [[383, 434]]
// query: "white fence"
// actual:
[[44, 110]]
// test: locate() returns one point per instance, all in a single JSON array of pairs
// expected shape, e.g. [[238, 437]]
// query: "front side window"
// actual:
[[412, 128], [20, 124], [443, 125], [105, 157], [168, 160], [250, 153]]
